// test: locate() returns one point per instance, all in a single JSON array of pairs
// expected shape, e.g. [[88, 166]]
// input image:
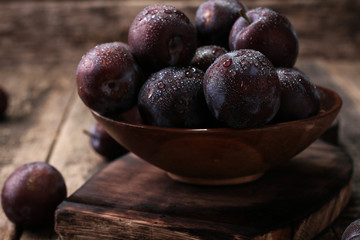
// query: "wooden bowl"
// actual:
[[221, 155]]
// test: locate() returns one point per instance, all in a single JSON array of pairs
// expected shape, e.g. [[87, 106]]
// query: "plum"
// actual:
[[173, 97], [214, 20], [108, 78], [269, 32], [162, 36], [31, 194], [299, 96], [242, 89], [352, 231], [205, 55], [104, 144]]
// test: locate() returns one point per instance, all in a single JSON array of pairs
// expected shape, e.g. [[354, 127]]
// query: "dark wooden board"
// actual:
[[131, 199]]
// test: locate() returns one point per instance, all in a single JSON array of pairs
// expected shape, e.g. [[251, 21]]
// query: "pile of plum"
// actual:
[[233, 67]]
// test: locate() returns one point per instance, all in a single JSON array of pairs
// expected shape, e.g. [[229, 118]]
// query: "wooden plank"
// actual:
[[295, 201], [66, 29], [35, 115], [39, 234], [343, 76], [346, 77], [73, 155]]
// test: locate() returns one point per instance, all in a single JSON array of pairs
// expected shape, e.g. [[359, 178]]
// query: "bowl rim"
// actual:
[[335, 107]]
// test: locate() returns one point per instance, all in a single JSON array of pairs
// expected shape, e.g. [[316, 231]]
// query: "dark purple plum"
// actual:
[[104, 144], [352, 231], [31, 194], [214, 20], [4, 99], [242, 89], [162, 36], [299, 96], [108, 78], [269, 32], [206, 55], [173, 97]]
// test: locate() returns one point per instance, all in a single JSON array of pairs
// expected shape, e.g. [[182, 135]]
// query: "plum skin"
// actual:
[[162, 36], [104, 144], [108, 78], [352, 231], [270, 33], [242, 89], [174, 97], [31, 194], [214, 19], [205, 55], [299, 96]]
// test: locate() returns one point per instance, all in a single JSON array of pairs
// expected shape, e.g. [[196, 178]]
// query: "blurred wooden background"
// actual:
[[42, 41], [58, 31]]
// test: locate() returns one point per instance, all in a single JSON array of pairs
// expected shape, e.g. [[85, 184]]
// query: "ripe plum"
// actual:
[[242, 89], [206, 55], [162, 36], [108, 78], [104, 144], [299, 96], [267, 31], [352, 231], [173, 97], [214, 20], [31, 194]]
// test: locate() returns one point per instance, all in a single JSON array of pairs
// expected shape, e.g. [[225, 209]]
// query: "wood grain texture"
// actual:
[[66, 29], [296, 200], [33, 120], [344, 77], [73, 153]]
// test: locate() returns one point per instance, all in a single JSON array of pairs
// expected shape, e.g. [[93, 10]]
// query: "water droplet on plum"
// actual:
[[227, 62], [161, 85], [188, 74]]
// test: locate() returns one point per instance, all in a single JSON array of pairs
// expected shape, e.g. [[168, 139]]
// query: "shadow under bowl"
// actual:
[[219, 156]]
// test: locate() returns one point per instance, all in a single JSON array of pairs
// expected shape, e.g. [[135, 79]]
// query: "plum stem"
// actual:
[[243, 14], [88, 133]]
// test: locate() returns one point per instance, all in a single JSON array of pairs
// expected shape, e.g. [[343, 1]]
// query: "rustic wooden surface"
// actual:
[[41, 43]]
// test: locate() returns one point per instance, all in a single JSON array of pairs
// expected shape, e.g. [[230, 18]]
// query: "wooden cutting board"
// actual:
[[131, 199]]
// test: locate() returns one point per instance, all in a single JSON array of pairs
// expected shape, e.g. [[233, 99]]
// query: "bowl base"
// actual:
[[215, 182]]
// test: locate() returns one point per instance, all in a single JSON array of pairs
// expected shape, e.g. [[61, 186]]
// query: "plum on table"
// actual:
[[31, 194], [352, 231]]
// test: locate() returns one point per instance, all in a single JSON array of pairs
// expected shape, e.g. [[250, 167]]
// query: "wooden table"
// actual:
[[42, 42]]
